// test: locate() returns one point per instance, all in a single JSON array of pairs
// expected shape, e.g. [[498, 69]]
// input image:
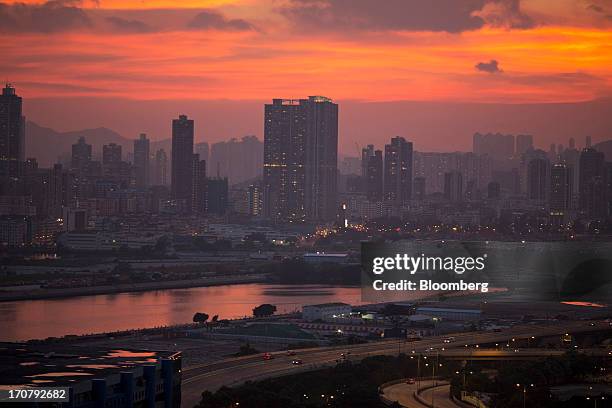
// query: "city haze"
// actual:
[[432, 126]]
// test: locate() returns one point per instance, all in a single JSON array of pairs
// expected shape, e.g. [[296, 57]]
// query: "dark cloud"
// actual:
[[409, 15], [492, 67], [49, 17], [211, 19], [128, 26], [596, 8], [505, 14], [568, 79]]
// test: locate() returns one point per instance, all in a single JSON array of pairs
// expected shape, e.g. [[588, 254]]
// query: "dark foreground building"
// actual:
[[95, 378]]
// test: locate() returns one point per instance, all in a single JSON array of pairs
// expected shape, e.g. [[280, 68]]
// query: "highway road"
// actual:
[[234, 371]]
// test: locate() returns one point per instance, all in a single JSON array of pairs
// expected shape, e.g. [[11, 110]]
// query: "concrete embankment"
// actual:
[[43, 293]]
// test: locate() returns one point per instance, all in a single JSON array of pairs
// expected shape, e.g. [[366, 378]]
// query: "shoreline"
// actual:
[[128, 288]]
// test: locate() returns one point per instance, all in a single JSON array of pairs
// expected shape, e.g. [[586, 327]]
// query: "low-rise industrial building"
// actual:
[[326, 311], [450, 313]]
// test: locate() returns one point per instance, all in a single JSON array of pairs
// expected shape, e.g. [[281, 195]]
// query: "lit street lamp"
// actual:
[[524, 392]]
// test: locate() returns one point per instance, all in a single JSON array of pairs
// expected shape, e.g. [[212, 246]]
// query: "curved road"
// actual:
[[404, 394], [234, 371], [439, 397]]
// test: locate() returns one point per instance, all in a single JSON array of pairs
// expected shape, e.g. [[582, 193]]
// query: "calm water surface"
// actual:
[[37, 319]]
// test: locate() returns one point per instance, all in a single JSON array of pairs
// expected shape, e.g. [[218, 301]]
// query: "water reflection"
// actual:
[[103, 313]]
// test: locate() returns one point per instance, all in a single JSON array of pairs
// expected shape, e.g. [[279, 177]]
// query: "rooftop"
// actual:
[[63, 365]]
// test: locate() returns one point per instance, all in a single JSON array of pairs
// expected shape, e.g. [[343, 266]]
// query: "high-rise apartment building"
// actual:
[[198, 204], [592, 184], [237, 159], [453, 186], [418, 188], [523, 144], [398, 171], [203, 150], [160, 169], [182, 158], [561, 182], [254, 198], [12, 133], [374, 176], [366, 153], [495, 145], [217, 194], [142, 161], [538, 178], [81, 155], [111, 154], [300, 159]]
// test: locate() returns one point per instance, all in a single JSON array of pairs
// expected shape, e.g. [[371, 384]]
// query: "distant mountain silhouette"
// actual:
[[49, 146]]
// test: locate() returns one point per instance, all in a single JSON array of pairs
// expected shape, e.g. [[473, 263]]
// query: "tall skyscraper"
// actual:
[[321, 159], [300, 159], [374, 176], [142, 161], [160, 172], [12, 133], [398, 171], [560, 189], [538, 178], [182, 158]]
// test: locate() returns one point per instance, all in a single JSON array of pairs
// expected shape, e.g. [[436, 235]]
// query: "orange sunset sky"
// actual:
[[131, 65]]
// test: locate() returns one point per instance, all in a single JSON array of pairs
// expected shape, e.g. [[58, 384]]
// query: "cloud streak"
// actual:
[[411, 15], [211, 19]]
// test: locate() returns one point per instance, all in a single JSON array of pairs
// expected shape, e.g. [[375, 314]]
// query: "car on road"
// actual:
[[291, 353], [297, 361], [449, 339], [410, 381], [268, 356]]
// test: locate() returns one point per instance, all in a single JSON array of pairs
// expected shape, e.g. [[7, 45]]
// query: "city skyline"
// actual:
[[306, 203]]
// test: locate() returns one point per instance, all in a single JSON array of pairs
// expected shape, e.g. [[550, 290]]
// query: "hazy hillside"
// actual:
[[48, 145]]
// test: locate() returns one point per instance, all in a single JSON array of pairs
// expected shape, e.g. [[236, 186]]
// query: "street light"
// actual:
[[524, 392]]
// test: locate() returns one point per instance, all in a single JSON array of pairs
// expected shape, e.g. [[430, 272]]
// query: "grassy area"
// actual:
[[288, 331]]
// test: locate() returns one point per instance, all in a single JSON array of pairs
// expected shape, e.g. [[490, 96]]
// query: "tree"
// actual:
[[200, 317], [264, 310]]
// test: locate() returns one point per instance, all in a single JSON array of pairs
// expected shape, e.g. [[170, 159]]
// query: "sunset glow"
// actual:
[[252, 50]]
